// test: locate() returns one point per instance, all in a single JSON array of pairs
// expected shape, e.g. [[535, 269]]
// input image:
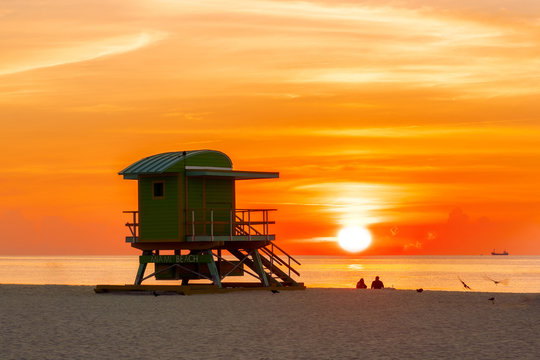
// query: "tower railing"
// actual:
[[248, 223], [133, 226]]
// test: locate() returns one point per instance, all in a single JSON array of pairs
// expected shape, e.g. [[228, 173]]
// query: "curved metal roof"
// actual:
[[157, 164]]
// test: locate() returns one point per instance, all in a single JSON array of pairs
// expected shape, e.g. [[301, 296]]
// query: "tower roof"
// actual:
[[194, 163]]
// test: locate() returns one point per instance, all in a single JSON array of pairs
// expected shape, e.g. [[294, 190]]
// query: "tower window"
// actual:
[[158, 189]]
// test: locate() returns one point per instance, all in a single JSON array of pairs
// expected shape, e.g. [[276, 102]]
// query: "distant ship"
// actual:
[[498, 253]]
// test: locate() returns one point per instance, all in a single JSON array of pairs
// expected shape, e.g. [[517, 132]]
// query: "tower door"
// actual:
[[219, 201], [210, 202]]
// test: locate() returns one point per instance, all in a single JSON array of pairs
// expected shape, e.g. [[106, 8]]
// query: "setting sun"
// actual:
[[354, 239]]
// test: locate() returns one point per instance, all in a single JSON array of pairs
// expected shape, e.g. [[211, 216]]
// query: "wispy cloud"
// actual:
[[351, 43], [56, 170], [409, 131], [316, 240], [78, 52]]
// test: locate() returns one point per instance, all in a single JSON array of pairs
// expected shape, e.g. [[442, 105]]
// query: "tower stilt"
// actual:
[[259, 267], [216, 279], [142, 269]]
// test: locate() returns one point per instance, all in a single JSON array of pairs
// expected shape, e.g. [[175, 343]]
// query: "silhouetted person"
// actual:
[[377, 284], [361, 284]]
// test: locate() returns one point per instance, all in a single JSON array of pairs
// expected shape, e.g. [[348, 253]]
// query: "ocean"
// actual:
[[518, 274]]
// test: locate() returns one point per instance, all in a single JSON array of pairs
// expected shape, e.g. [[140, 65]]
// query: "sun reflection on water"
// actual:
[[355, 267]]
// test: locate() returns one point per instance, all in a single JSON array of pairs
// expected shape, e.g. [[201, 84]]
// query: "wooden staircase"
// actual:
[[272, 269]]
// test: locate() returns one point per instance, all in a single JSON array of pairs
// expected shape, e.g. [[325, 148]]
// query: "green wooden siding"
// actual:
[[195, 204], [219, 197], [205, 195], [159, 218], [164, 219]]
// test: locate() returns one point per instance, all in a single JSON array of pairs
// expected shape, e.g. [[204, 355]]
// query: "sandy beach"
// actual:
[[52, 322]]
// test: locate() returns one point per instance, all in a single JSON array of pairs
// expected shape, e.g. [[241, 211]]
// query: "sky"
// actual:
[[417, 119]]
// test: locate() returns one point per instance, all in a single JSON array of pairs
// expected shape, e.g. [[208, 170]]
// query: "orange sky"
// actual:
[[418, 119]]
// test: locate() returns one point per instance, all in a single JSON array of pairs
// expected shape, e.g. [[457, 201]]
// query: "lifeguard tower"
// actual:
[[189, 227]]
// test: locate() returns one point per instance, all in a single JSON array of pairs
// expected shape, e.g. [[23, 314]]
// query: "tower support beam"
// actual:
[[142, 268]]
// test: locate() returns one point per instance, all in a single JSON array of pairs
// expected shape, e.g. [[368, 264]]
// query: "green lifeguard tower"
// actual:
[[189, 227]]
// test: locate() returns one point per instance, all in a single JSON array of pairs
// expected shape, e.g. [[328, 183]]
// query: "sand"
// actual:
[[61, 322]]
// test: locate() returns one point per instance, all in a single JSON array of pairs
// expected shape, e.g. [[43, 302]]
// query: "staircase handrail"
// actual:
[[242, 223], [285, 253], [275, 257]]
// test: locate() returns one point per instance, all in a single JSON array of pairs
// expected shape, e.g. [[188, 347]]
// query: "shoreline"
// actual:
[[520, 276], [65, 321], [387, 289]]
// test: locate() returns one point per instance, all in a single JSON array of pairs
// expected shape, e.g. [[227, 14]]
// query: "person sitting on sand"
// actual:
[[361, 284], [377, 284]]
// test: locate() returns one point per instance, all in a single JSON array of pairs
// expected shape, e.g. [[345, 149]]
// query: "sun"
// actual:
[[354, 239]]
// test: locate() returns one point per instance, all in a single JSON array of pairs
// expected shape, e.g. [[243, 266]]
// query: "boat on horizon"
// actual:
[[498, 253]]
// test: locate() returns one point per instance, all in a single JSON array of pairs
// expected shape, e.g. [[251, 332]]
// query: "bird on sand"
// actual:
[[492, 299], [419, 290], [464, 285], [274, 291]]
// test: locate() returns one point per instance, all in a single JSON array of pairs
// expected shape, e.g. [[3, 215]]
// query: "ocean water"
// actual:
[[520, 274]]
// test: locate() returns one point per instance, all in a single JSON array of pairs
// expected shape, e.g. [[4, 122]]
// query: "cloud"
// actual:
[[78, 52], [416, 245], [316, 240], [102, 108]]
